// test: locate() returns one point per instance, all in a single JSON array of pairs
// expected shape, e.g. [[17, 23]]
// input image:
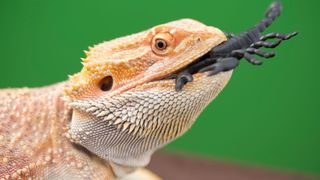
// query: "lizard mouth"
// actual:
[[189, 68]]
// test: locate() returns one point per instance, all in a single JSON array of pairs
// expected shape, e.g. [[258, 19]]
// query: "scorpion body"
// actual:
[[227, 55]]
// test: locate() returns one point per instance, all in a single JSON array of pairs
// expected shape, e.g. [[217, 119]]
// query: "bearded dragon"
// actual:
[[106, 121]]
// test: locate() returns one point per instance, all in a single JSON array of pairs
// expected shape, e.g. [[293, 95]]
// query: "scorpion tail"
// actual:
[[272, 13], [274, 10]]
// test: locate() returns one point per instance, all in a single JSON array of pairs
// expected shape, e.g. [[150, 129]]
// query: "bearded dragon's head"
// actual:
[[123, 106]]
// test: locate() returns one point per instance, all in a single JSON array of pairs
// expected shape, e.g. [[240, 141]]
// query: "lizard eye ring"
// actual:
[[161, 43]]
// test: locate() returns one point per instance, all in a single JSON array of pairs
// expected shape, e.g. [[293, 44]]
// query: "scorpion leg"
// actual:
[[185, 75], [278, 36], [222, 65], [183, 78], [242, 53], [260, 53], [259, 44], [251, 59]]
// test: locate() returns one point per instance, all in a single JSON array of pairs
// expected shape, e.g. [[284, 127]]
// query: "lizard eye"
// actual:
[[106, 83], [161, 43]]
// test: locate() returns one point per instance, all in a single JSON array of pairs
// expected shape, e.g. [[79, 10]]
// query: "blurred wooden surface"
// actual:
[[181, 167]]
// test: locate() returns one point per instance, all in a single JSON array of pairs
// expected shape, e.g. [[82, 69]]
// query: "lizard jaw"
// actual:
[[153, 113]]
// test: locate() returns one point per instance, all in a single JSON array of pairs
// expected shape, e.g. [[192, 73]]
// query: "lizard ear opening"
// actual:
[[106, 83]]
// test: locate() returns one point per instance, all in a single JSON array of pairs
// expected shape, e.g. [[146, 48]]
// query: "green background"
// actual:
[[266, 116]]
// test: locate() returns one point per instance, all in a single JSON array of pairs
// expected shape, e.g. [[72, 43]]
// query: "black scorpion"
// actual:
[[227, 55]]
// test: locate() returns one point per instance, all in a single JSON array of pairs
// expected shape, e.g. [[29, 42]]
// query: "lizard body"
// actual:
[[108, 119], [33, 143]]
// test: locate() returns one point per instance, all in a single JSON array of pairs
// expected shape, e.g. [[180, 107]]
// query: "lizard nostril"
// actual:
[[106, 83]]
